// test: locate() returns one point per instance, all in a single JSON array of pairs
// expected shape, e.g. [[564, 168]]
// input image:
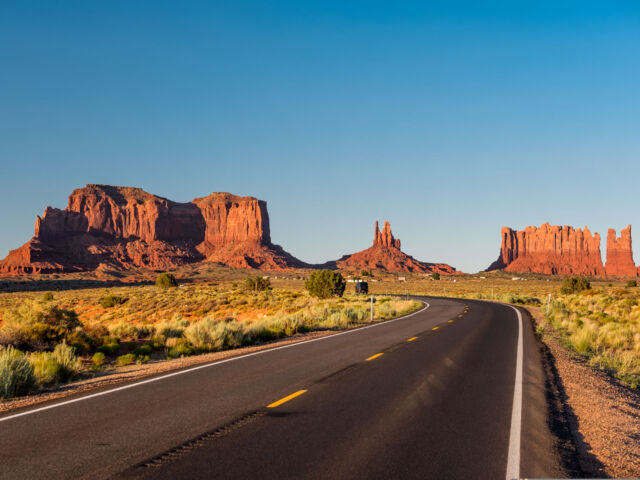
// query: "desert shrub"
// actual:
[[632, 283], [181, 348], [126, 359], [98, 359], [109, 301], [256, 283], [366, 273], [259, 332], [47, 297], [36, 326], [325, 284], [124, 330], [54, 368], [435, 276], [174, 328], [81, 341], [212, 335], [166, 280], [110, 346], [575, 285], [143, 350], [96, 330], [16, 373]]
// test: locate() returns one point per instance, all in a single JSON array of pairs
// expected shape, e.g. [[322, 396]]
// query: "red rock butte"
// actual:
[[125, 227], [564, 251], [385, 254]]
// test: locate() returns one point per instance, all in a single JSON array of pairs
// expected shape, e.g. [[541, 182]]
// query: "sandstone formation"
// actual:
[[620, 254], [124, 227], [385, 254], [550, 249]]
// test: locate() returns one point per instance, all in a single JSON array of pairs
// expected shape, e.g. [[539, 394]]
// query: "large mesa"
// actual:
[[125, 228]]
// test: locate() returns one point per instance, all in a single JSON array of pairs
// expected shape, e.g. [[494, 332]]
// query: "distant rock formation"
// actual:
[[620, 254], [385, 255], [551, 250], [125, 227]]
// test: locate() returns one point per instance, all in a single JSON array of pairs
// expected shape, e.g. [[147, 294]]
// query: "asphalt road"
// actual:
[[453, 391]]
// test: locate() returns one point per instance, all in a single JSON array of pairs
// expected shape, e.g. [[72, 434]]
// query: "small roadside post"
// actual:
[[548, 304], [372, 300]]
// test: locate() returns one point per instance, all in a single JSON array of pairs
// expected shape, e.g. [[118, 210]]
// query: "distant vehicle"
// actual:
[[362, 287]]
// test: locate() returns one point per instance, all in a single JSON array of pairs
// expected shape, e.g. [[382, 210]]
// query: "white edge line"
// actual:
[[513, 458], [206, 365]]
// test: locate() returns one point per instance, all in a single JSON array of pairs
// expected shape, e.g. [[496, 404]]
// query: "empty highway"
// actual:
[[455, 390]]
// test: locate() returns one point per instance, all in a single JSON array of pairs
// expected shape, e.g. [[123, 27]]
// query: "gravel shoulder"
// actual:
[[603, 415]]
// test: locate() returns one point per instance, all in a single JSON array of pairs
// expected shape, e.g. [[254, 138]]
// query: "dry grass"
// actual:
[[150, 323]]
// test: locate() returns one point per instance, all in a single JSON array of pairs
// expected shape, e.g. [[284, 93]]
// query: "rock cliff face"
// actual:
[[385, 255], [125, 227], [620, 254], [550, 249]]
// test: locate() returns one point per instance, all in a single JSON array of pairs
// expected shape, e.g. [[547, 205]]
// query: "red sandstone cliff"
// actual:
[[620, 254], [550, 249], [385, 254], [127, 227]]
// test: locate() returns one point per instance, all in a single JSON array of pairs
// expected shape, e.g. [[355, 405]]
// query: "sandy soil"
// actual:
[[604, 415]]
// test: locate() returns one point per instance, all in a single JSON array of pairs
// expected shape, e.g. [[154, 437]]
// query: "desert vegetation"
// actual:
[[48, 339]]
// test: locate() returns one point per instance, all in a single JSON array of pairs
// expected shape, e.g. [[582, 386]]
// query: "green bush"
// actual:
[[16, 373], [632, 283], [98, 359], [575, 285], [110, 346], [325, 284], [166, 280], [256, 283], [109, 301], [127, 359], [181, 348], [435, 276], [47, 297], [143, 350]]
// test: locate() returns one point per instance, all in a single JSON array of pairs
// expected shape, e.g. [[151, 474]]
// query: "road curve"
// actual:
[[455, 390]]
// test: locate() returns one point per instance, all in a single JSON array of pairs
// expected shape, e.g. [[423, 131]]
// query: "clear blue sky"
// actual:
[[449, 119]]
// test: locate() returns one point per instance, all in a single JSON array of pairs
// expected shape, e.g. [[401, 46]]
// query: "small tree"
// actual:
[[435, 276], [257, 284], [166, 280], [632, 283], [325, 284], [575, 285]]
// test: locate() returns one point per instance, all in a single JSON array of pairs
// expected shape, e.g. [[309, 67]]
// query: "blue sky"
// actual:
[[449, 119]]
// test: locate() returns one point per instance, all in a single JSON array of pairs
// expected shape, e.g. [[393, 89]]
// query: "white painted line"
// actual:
[[513, 459], [206, 365]]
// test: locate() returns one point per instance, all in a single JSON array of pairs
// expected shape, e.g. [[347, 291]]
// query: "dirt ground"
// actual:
[[604, 416]]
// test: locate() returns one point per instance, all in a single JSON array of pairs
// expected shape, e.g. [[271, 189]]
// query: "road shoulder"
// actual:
[[594, 417]]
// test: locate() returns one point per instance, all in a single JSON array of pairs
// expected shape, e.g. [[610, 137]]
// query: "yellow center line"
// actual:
[[286, 399], [460, 316], [435, 328], [372, 357], [412, 339], [450, 321]]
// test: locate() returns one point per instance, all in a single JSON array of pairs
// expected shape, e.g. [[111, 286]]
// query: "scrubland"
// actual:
[[48, 338]]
